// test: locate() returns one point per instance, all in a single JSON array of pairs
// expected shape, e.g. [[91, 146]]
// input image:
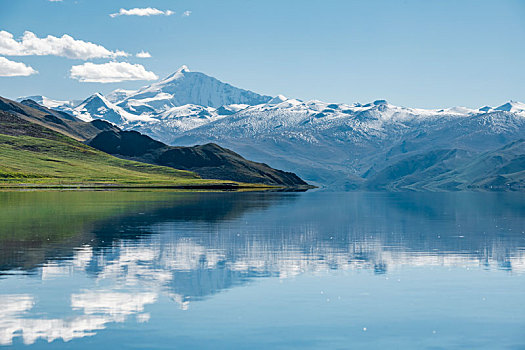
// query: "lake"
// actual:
[[274, 270]]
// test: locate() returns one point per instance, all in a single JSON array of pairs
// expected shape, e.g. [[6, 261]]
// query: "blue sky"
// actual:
[[428, 53]]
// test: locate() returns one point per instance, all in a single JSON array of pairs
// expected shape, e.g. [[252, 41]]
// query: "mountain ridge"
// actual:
[[209, 161], [185, 87], [334, 145]]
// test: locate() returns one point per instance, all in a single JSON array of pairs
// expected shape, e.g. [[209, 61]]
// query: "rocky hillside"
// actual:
[[210, 161]]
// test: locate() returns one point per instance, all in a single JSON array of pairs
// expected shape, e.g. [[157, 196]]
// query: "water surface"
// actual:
[[308, 270]]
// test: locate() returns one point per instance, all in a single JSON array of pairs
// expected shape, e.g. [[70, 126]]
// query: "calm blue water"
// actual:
[[161, 270]]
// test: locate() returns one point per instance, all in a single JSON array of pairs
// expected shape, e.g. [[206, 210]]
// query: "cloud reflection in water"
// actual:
[[190, 256]]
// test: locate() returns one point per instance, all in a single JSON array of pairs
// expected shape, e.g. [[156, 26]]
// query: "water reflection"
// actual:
[[109, 255], [99, 308]]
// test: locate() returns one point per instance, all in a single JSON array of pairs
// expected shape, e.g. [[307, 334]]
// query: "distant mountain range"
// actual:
[[360, 146]]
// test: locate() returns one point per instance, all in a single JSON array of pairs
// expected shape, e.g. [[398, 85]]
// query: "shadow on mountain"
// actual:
[[455, 170], [209, 161]]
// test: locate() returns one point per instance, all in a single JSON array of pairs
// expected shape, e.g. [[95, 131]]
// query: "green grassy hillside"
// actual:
[[33, 155]]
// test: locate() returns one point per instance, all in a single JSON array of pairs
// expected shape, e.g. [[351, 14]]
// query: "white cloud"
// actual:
[[186, 13], [65, 46], [148, 11], [143, 54], [111, 72], [12, 69], [55, 0]]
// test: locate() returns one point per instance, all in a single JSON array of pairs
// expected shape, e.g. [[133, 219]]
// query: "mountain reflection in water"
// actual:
[[99, 258]]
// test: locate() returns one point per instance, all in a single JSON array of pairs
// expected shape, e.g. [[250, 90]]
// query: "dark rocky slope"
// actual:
[[209, 161]]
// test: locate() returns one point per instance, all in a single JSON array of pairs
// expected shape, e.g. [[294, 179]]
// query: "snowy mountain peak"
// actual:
[[98, 95], [375, 103], [47, 102], [178, 74], [277, 99], [183, 69], [98, 107], [512, 106], [96, 98], [185, 87], [380, 102]]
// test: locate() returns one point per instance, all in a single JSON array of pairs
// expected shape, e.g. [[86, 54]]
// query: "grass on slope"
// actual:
[[33, 155], [64, 161]]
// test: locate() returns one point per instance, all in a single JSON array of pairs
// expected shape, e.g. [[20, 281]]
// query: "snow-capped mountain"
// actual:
[[64, 106], [342, 144], [512, 106], [98, 107], [325, 143], [182, 88]]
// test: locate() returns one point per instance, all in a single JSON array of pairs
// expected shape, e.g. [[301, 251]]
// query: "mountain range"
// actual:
[[42, 146], [340, 146]]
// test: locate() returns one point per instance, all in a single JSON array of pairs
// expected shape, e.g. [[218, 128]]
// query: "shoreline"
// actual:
[[218, 187]]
